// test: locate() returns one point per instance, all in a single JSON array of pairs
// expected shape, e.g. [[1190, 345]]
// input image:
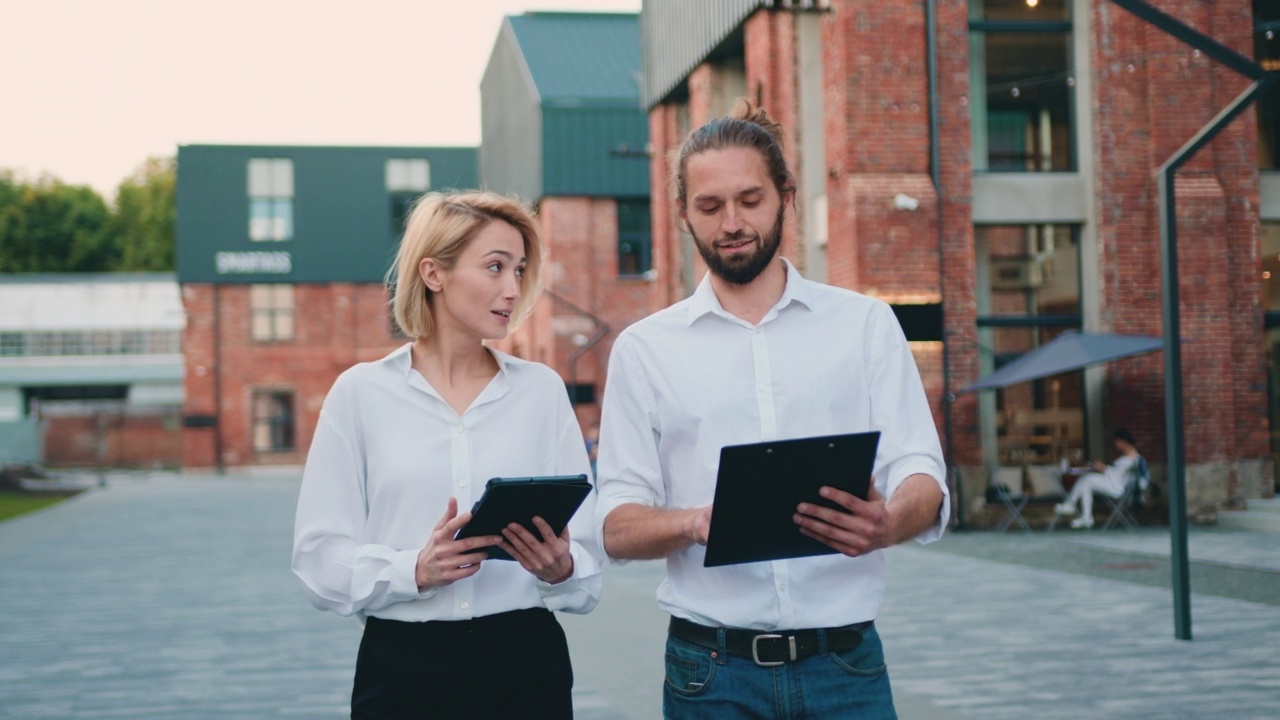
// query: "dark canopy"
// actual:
[[1067, 352]]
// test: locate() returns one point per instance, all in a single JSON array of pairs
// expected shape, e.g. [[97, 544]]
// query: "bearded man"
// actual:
[[759, 353]]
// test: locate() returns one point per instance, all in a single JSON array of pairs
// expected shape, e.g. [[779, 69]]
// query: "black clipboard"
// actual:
[[517, 499], [759, 486]]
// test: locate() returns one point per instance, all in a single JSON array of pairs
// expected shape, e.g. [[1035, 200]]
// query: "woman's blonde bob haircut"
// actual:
[[441, 226]]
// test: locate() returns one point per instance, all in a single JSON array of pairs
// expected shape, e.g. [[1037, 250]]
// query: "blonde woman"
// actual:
[[405, 442]]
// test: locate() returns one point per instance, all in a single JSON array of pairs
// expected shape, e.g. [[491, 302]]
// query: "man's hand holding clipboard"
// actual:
[[761, 488]]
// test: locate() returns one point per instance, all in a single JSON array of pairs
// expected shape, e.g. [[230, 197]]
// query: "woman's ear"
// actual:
[[431, 273]]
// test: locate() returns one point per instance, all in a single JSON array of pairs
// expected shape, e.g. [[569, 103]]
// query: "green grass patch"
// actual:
[[13, 504]]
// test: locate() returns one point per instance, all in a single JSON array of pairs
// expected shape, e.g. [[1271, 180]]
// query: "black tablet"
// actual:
[[518, 499], [758, 487]]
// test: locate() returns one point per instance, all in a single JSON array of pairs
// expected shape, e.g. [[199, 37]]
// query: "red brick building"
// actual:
[[992, 161]]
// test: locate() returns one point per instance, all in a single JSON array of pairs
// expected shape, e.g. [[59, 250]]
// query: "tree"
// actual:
[[48, 226], [141, 230]]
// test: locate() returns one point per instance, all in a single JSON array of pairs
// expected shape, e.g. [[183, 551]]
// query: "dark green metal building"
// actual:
[[560, 108], [296, 214]]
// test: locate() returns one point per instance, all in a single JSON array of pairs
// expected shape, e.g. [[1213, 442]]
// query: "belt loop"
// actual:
[[722, 656], [822, 642]]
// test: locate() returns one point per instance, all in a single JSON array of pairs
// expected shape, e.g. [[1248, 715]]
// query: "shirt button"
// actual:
[[464, 604], [782, 587], [461, 429], [462, 483]]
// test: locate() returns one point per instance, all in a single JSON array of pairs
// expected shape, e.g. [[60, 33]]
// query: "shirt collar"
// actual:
[[402, 360], [798, 290]]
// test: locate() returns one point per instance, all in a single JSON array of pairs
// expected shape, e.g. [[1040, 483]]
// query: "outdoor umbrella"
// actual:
[[1069, 351]]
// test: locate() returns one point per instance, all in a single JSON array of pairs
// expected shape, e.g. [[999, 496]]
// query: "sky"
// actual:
[[92, 88]]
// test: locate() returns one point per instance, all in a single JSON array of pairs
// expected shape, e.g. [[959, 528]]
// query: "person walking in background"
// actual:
[[592, 438], [404, 441], [760, 353], [1109, 480]]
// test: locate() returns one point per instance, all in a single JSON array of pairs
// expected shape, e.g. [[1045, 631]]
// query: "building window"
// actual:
[[1022, 85], [272, 312], [407, 179], [1028, 294], [273, 428], [635, 238], [13, 344], [1266, 46], [270, 199]]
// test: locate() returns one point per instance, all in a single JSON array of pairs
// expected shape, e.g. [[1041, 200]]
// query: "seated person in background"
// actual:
[[1109, 479]]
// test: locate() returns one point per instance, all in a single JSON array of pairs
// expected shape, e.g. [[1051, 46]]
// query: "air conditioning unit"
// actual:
[[1016, 273]]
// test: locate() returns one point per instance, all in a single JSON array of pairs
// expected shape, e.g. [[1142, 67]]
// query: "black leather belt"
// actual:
[[769, 648]]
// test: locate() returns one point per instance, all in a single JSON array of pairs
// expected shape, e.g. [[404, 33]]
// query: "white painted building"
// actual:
[[87, 346]]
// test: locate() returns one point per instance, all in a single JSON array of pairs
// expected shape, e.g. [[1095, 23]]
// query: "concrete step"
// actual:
[[1262, 515], [1270, 505]]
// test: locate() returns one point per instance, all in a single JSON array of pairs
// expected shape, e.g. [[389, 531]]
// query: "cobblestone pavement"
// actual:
[[163, 596]]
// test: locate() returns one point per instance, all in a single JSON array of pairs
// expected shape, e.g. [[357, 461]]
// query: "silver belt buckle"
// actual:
[[755, 649]]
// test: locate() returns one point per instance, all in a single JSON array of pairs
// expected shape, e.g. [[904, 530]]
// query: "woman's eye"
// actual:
[[495, 267], [520, 272]]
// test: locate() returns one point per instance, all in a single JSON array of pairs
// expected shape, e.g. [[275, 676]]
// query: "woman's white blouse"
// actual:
[[387, 455]]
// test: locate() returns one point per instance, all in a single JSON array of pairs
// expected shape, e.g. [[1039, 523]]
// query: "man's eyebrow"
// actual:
[[712, 197]]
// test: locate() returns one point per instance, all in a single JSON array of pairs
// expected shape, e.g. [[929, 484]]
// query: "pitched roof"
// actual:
[[585, 57]]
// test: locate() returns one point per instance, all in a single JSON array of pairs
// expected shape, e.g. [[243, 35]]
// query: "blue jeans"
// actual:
[[711, 684]]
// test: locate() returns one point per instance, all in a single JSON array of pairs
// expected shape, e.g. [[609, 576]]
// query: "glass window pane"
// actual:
[[13, 344], [396, 173], [283, 297], [284, 325], [41, 344], [282, 219], [259, 178], [1027, 89], [259, 297], [282, 178], [262, 326], [259, 219], [1031, 269], [272, 420]]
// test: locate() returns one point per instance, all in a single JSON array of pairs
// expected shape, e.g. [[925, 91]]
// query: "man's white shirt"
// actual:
[[691, 379]]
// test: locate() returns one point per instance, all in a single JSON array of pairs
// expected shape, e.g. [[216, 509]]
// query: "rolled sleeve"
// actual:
[[909, 439]]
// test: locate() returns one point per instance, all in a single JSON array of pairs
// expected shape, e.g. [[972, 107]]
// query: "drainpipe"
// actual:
[[935, 172], [217, 378]]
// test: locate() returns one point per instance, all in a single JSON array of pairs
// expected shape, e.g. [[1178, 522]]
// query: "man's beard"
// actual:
[[742, 268]]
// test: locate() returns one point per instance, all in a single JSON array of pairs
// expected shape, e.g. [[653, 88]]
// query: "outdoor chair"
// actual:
[[1130, 501], [1046, 489]]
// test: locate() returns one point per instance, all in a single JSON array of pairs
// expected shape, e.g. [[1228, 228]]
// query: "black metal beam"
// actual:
[[1166, 180], [1194, 38]]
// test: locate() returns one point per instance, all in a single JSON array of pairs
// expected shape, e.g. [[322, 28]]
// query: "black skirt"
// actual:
[[510, 665]]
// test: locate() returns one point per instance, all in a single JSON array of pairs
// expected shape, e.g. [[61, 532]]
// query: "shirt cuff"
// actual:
[[404, 578]]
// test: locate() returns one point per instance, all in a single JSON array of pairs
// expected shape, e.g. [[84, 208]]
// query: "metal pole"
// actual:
[[1166, 180], [1173, 403]]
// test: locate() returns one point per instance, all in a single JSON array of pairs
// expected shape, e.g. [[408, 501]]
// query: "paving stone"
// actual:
[[166, 596]]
